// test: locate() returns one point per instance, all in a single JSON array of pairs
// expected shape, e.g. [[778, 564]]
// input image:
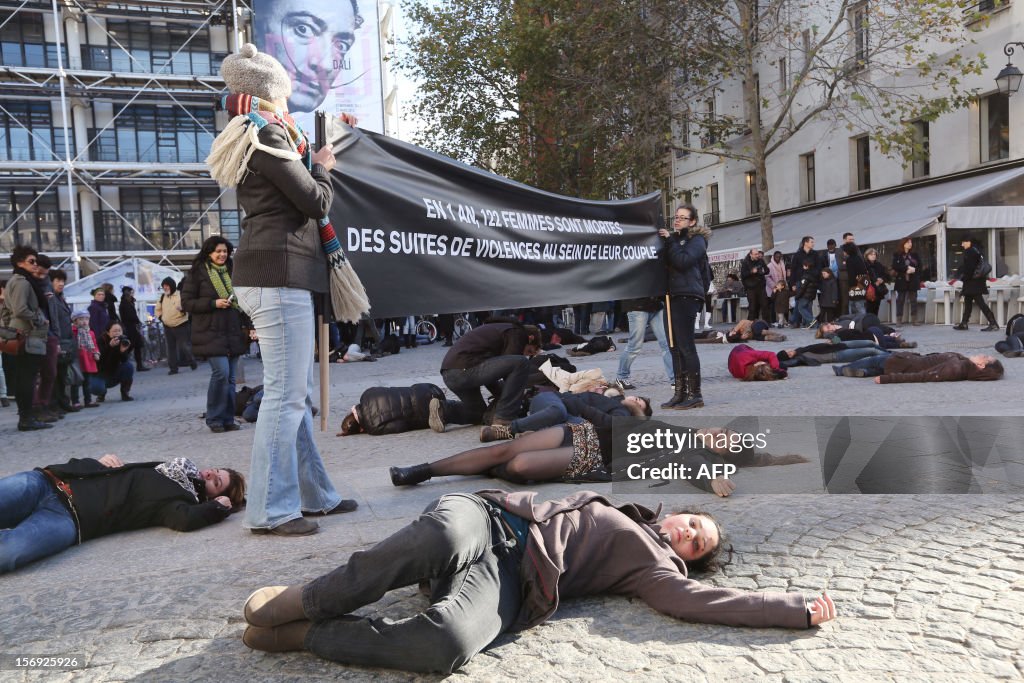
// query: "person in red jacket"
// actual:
[[751, 365], [496, 562]]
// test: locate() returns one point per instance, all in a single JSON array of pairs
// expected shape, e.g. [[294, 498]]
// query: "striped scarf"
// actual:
[[229, 159], [221, 280]]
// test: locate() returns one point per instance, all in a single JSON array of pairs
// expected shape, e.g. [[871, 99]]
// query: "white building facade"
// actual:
[[827, 179]]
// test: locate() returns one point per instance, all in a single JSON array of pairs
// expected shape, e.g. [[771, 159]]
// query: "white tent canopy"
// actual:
[[141, 275]]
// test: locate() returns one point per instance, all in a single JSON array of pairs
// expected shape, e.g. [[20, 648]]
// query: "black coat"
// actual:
[[112, 499], [111, 357], [215, 331], [876, 271], [748, 277], [905, 282], [689, 273], [855, 261], [796, 265], [392, 410], [828, 293], [968, 266], [486, 341]]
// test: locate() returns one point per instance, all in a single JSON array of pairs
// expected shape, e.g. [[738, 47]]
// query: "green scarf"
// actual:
[[221, 279]]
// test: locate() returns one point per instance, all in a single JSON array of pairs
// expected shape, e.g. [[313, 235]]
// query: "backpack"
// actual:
[[390, 344], [984, 268]]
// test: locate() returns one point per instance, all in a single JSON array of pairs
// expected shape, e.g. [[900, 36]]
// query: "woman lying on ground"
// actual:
[[497, 562], [751, 365], [824, 353], [902, 367], [883, 335], [391, 410], [52, 508], [570, 452], [757, 330]]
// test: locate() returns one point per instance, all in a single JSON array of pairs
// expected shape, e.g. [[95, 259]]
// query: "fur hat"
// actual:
[[251, 72]]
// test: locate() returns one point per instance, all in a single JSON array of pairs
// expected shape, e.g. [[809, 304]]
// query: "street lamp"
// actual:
[[1009, 78]]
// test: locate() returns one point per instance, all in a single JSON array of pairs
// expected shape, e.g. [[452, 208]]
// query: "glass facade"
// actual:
[[146, 133], [27, 132], [23, 42], [140, 47], [34, 217], [171, 218]]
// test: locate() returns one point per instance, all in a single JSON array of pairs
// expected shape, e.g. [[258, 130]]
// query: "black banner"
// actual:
[[428, 234]]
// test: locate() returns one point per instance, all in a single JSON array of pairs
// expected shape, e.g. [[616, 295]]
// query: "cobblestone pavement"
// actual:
[[928, 587]]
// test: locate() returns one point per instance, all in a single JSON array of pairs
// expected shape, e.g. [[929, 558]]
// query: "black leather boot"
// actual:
[[680, 392], [126, 386], [693, 397], [410, 476]]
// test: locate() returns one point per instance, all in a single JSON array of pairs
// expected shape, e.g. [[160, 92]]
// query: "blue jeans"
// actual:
[[33, 520], [287, 475], [546, 410], [457, 545], [100, 383], [872, 366], [802, 313], [638, 321], [220, 395], [858, 307]]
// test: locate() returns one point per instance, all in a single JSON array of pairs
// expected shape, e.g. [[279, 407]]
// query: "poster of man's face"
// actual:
[[331, 50]]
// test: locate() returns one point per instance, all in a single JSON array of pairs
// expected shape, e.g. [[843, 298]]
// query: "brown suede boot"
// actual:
[[285, 638], [274, 605]]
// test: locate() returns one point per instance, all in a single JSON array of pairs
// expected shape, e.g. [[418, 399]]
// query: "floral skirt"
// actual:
[[586, 451]]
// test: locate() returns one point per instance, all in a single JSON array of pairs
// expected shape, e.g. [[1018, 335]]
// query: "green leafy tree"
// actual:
[[572, 97], [871, 65]]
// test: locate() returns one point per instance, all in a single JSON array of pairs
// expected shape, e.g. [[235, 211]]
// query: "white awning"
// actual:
[[971, 217], [910, 212]]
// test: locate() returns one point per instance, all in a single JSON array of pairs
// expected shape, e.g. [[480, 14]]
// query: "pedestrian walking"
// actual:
[[975, 285], [177, 327]]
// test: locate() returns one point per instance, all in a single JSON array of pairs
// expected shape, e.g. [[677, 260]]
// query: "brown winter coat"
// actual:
[[583, 545], [935, 367]]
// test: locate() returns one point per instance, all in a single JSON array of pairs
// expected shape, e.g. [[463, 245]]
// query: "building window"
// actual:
[[23, 43], [147, 133], [712, 216], [858, 15], [710, 137], [862, 163], [151, 49], [807, 189], [171, 218], [753, 202], [34, 217], [805, 45], [27, 133], [995, 127], [783, 77], [684, 134], [921, 166]]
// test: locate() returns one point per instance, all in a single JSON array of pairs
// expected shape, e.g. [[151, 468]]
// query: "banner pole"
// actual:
[[668, 314], [322, 320]]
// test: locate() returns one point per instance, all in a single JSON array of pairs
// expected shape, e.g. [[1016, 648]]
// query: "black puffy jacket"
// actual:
[[392, 410], [748, 277], [689, 273], [215, 331]]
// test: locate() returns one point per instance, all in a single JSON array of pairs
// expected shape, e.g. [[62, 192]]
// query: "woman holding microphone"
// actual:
[[685, 255]]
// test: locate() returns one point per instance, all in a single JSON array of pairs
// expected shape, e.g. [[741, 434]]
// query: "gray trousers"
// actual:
[[463, 549]]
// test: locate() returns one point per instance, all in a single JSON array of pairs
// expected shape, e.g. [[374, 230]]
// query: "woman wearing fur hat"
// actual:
[[685, 254], [282, 259]]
